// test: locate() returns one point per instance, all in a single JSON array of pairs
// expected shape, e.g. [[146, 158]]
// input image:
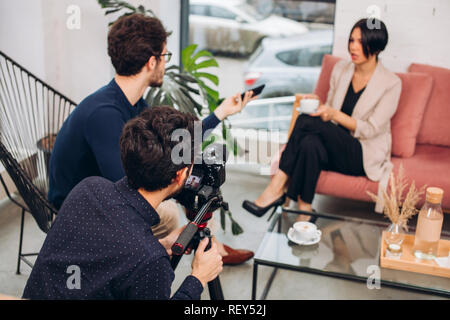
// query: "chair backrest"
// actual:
[[31, 115], [37, 204]]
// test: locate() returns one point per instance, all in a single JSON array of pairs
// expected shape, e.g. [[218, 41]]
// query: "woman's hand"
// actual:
[[233, 105], [325, 112], [309, 96]]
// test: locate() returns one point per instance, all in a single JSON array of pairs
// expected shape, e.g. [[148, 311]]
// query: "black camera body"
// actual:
[[208, 174]]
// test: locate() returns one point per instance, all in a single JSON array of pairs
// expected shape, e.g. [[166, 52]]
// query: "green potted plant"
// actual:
[[187, 87]]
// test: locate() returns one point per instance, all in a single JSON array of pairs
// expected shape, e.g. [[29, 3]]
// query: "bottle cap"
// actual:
[[434, 195]]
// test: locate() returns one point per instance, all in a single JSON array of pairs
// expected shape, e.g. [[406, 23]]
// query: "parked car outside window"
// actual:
[[233, 26], [289, 65]]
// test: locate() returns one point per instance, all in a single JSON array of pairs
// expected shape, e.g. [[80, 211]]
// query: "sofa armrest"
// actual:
[[295, 113]]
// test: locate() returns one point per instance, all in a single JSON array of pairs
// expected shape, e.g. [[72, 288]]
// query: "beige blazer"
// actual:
[[373, 113]]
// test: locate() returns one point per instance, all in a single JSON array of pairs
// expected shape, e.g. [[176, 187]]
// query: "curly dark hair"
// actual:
[[146, 147], [132, 40]]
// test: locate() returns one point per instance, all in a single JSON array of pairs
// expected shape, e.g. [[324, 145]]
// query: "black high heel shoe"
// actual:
[[260, 211]]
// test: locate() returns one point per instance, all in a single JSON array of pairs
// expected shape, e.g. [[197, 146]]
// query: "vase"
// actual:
[[394, 239]]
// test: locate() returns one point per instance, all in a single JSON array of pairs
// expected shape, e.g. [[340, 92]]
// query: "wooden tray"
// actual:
[[408, 262]]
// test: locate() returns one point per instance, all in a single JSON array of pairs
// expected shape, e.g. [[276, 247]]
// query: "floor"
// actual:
[[236, 280]]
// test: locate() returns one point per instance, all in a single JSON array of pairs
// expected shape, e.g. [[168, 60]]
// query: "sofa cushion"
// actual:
[[429, 166], [435, 128], [344, 186], [405, 123], [426, 167], [323, 83]]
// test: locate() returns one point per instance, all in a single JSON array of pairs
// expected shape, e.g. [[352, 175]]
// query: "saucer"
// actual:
[[301, 242]]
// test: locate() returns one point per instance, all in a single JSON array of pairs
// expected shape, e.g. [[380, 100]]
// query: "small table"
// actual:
[[349, 249]]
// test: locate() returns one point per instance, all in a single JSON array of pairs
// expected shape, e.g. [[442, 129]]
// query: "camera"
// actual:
[[208, 174], [201, 196]]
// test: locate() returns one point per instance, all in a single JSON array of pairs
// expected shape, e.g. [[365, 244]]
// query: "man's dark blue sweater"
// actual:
[[88, 142]]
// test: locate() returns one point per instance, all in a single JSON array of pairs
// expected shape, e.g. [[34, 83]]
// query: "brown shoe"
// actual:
[[235, 257]]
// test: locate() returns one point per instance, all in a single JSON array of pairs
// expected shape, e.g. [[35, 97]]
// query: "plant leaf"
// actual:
[[201, 53], [212, 138], [235, 227], [186, 54], [213, 78], [112, 11], [222, 218], [230, 142], [205, 64]]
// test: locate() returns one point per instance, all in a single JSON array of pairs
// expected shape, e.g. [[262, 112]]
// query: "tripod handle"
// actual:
[[179, 247]]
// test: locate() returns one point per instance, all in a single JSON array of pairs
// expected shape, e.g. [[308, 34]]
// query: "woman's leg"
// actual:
[[338, 150], [274, 190], [344, 151], [311, 160], [304, 126]]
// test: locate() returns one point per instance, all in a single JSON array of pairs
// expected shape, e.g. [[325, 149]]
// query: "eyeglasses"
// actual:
[[167, 56]]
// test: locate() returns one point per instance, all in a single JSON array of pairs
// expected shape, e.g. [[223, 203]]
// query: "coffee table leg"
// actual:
[[269, 284], [255, 277]]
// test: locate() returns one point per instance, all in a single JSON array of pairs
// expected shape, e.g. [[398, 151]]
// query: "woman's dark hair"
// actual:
[[132, 40], [146, 147], [374, 36]]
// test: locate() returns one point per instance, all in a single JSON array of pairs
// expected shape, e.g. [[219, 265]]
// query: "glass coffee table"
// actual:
[[348, 249]]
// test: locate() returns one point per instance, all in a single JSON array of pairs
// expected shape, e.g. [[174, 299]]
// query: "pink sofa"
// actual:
[[420, 134]]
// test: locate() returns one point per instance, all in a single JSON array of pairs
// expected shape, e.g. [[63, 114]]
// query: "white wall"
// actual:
[[418, 30], [74, 61], [21, 35]]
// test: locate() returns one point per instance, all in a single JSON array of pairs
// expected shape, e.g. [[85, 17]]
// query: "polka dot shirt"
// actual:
[[101, 247]]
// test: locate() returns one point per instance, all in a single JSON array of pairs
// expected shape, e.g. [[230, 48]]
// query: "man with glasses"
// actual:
[[88, 142]]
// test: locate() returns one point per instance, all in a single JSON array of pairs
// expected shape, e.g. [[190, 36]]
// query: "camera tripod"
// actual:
[[191, 236]]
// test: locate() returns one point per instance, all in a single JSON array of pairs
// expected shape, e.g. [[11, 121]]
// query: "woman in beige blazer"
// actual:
[[350, 133]]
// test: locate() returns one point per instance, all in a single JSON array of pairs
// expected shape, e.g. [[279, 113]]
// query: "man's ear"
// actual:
[[151, 63], [181, 175]]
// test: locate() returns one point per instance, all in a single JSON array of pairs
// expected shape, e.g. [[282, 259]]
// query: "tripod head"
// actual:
[[198, 222]]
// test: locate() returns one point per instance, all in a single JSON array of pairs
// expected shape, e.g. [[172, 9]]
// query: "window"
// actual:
[[263, 50], [198, 10], [218, 12], [305, 57]]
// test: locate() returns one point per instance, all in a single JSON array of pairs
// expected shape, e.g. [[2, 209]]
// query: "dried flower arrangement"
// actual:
[[398, 209]]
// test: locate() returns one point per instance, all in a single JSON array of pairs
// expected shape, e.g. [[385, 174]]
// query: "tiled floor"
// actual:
[[237, 280]]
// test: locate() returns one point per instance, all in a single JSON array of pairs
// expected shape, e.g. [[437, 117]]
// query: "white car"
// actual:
[[233, 26], [288, 66]]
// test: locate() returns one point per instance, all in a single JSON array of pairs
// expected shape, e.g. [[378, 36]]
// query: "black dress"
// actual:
[[316, 145]]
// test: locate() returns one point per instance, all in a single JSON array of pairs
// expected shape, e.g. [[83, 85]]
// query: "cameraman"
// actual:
[[101, 245]]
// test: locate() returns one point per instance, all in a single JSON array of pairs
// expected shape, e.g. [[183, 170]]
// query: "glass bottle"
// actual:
[[429, 225]]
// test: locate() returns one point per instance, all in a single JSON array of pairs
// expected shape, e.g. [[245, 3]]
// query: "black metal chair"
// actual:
[[31, 114]]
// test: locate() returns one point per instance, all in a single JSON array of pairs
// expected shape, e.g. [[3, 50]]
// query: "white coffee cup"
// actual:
[[305, 231], [309, 105]]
